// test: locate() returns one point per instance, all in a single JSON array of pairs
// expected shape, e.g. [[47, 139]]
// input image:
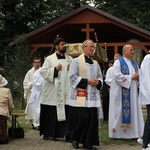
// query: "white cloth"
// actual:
[[144, 78], [27, 85], [51, 92], [100, 112], [109, 75], [115, 107], [34, 101], [93, 94]]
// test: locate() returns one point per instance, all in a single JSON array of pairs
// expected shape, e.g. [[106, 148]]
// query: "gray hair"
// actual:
[[86, 42]]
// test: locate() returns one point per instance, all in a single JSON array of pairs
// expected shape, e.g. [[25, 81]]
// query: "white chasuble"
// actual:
[[115, 108]]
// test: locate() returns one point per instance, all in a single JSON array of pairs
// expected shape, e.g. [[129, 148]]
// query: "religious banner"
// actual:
[[75, 50]]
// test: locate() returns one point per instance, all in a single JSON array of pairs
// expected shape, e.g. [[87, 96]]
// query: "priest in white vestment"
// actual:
[[34, 101], [27, 85], [55, 93], [86, 81], [144, 97], [109, 72], [105, 91], [125, 113]]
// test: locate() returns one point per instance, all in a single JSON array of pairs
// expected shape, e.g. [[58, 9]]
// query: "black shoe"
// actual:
[[38, 128], [33, 127], [89, 147], [46, 137], [4, 142], [67, 138], [53, 139], [75, 144]]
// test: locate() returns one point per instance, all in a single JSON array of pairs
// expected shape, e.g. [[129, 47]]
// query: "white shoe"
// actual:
[[140, 141], [148, 145], [148, 148]]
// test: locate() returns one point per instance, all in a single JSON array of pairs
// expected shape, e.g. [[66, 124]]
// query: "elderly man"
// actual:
[[86, 81], [125, 113]]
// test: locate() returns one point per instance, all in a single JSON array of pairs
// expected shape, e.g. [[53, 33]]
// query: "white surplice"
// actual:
[[27, 85], [93, 94], [115, 107], [144, 77], [34, 101], [109, 75]]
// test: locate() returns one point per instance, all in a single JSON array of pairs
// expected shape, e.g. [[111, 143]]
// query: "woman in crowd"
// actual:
[[6, 106]]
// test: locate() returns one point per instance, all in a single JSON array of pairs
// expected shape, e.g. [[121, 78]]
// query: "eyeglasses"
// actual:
[[37, 62], [91, 47]]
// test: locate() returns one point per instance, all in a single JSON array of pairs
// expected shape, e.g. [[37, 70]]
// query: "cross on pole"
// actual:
[[87, 30]]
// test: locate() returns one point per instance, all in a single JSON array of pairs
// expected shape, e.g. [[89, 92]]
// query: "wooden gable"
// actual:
[[81, 24]]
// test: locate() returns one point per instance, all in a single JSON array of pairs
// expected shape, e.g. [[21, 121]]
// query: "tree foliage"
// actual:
[[16, 65], [19, 17], [134, 11]]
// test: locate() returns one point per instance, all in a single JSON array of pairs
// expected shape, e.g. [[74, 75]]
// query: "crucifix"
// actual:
[[87, 30]]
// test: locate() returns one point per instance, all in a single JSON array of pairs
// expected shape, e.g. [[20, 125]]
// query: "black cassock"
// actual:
[[83, 120]]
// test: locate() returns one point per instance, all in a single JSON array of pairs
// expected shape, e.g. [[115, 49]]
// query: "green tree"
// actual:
[[16, 65], [134, 11], [19, 17]]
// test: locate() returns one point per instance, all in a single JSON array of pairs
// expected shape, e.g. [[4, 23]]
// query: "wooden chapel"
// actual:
[[81, 24]]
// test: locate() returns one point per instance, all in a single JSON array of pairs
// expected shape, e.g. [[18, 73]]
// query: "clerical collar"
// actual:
[[88, 60], [60, 56]]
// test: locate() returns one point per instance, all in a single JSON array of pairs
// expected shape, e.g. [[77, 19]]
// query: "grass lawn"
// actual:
[[103, 133], [21, 120]]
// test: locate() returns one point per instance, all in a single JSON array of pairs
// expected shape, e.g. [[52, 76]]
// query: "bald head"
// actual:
[[128, 51]]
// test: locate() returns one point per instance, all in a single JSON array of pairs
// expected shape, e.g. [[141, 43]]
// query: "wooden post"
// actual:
[[87, 30]]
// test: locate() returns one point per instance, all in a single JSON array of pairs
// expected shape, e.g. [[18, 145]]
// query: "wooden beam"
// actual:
[[116, 49], [87, 30], [42, 45], [34, 50], [145, 49], [115, 45], [123, 43], [101, 44]]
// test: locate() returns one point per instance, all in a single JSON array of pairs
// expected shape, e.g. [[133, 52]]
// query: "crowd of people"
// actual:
[[63, 97]]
